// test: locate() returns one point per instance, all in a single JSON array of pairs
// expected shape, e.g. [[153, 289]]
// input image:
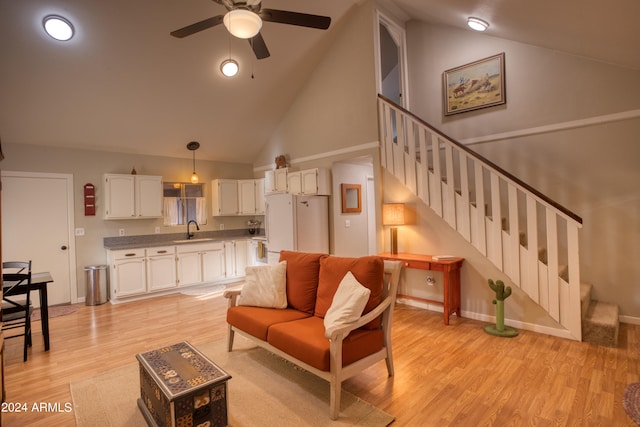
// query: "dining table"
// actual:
[[39, 282]]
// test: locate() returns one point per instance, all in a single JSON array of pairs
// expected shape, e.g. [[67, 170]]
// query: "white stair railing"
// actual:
[[528, 236]]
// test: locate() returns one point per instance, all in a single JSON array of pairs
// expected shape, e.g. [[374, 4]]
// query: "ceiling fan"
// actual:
[[244, 20]]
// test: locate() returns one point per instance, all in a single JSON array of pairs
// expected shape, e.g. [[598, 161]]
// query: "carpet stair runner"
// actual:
[[600, 320]]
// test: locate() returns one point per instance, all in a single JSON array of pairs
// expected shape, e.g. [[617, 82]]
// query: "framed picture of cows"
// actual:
[[479, 84]]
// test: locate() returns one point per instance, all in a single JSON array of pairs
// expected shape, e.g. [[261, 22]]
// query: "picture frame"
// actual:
[[351, 198], [476, 85]]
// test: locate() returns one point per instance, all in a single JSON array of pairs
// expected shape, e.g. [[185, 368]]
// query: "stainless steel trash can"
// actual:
[[97, 282]]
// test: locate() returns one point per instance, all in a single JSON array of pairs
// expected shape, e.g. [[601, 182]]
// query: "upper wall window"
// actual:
[[184, 202]]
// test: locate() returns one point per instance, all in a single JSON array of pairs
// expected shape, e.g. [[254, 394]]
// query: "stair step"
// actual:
[[601, 324]]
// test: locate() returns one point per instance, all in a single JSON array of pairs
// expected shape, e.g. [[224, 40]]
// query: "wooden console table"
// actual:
[[450, 268]]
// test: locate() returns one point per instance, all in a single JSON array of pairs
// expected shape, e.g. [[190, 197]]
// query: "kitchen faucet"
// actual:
[[189, 233]]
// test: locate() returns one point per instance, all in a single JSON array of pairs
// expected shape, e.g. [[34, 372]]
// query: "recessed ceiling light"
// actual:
[[229, 67], [477, 24], [58, 27]]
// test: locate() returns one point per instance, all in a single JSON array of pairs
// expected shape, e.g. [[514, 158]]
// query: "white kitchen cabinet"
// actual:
[[260, 196], [294, 182], [149, 196], [213, 264], [247, 196], [161, 268], [127, 272], [236, 258], [315, 181], [276, 181], [251, 196], [224, 197], [132, 196], [200, 263]]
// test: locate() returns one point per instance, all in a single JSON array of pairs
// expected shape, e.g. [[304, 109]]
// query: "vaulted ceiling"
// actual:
[[124, 84]]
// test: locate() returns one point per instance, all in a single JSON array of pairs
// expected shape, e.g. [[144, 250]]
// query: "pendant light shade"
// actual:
[[193, 146], [242, 23], [229, 67]]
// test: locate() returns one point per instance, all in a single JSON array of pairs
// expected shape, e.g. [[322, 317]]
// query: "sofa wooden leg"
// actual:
[[230, 336], [334, 400]]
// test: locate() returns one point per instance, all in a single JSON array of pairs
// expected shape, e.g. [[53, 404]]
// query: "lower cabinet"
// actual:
[[200, 263], [144, 271], [161, 268]]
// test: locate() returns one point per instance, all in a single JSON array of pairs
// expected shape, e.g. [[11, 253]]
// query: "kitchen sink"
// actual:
[[204, 239]]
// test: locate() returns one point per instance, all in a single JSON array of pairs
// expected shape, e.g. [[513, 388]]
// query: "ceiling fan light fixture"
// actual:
[[229, 67], [477, 24], [58, 27], [242, 23]]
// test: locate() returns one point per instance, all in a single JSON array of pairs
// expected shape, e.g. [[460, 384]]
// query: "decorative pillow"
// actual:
[[265, 286], [347, 305]]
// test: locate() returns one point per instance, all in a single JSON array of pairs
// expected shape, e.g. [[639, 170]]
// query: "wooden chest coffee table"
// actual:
[[179, 386]]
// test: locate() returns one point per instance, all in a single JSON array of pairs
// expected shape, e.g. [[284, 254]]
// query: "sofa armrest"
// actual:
[[339, 333], [232, 296]]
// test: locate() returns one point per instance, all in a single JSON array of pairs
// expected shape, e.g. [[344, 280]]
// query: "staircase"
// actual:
[[526, 235]]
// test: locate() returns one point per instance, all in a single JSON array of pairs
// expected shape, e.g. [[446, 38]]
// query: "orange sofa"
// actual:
[[299, 333]]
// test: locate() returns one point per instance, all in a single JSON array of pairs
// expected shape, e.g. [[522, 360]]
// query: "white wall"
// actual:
[[592, 169]]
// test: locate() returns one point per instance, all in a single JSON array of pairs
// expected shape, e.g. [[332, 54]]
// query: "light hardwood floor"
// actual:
[[445, 375]]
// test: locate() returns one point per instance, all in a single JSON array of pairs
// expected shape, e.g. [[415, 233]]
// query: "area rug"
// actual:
[[55, 311], [631, 401], [264, 390]]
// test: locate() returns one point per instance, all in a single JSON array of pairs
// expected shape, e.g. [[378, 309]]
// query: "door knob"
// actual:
[[63, 247]]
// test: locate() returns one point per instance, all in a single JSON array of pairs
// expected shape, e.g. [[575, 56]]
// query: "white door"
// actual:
[[37, 219]]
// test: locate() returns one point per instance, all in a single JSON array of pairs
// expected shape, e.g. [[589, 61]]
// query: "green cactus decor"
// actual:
[[502, 293]]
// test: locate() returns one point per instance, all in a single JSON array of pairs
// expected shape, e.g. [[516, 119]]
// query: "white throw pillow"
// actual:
[[347, 305], [265, 286]]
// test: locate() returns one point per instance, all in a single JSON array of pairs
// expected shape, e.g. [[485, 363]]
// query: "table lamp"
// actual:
[[393, 214]]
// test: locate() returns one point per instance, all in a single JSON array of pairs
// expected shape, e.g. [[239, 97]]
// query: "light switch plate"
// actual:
[[79, 231]]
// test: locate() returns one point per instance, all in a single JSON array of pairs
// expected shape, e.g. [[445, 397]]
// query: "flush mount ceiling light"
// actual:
[[242, 23], [58, 27], [193, 146], [477, 24], [229, 67]]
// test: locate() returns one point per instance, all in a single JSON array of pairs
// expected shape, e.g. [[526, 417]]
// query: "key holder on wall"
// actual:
[[89, 199]]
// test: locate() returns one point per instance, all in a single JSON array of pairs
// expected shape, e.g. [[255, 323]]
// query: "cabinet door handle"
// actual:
[[161, 252], [131, 254]]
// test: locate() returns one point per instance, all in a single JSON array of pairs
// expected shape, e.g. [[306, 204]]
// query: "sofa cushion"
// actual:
[[368, 270], [256, 320], [302, 279], [347, 305], [304, 339], [265, 286]]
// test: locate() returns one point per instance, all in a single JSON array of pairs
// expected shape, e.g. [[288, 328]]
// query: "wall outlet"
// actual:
[[431, 281], [221, 226], [80, 231], [157, 231], [121, 232]]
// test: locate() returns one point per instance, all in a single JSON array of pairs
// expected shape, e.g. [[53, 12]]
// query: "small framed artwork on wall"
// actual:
[[480, 84]]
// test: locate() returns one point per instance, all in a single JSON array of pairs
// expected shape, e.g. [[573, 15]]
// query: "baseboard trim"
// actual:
[[560, 333]]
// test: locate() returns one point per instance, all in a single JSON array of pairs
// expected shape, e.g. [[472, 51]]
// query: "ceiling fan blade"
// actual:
[[295, 18], [197, 27], [259, 47]]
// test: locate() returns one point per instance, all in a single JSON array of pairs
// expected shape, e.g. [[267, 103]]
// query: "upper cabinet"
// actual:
[[224, 197], [132, 196], [275, 181], [251, 196], [309, 182]]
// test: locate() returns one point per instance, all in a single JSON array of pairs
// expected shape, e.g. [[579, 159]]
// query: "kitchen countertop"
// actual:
[[174, 239]]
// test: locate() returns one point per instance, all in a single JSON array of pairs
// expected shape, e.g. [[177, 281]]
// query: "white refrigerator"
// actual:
[[296, 223]]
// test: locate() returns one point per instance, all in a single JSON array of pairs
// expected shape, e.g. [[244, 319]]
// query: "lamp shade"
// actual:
[[242, 23], [393, 214]]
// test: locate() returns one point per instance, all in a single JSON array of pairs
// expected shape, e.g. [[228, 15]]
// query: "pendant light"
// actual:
[[193, 146]]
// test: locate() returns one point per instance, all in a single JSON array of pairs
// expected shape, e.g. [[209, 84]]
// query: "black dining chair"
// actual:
[[16, 300]]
